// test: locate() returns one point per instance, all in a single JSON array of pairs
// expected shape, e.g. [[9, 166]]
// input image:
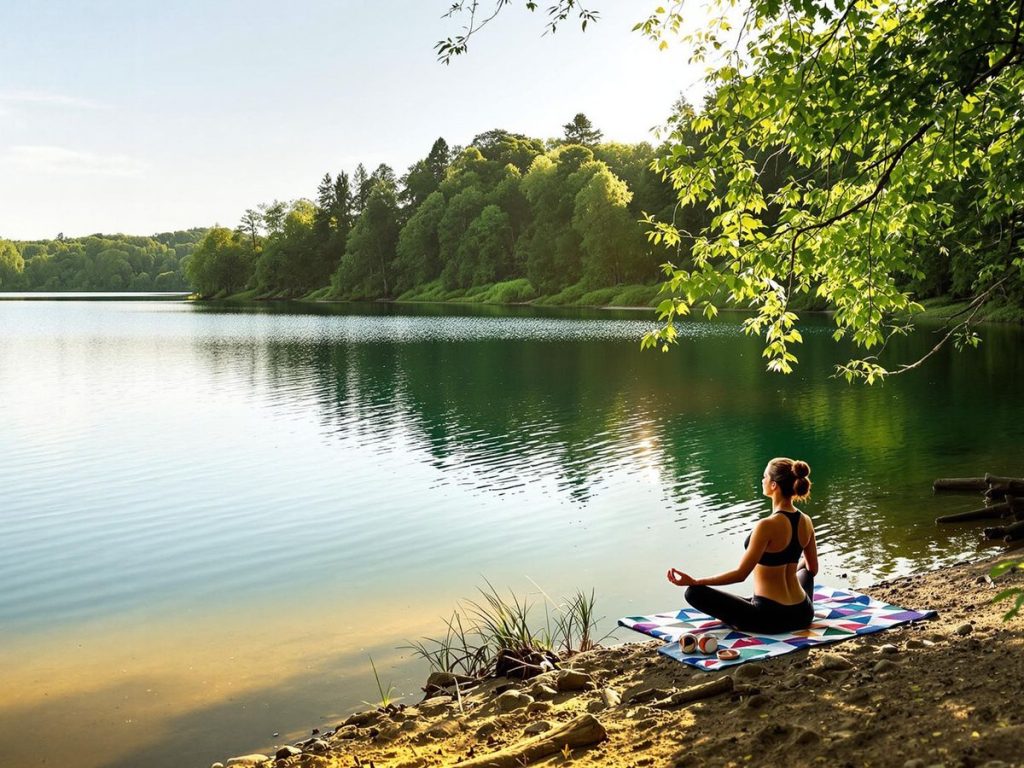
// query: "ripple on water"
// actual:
[[165, 460]]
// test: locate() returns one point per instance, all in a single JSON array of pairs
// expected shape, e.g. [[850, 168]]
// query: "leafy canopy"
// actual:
[[899, 129]]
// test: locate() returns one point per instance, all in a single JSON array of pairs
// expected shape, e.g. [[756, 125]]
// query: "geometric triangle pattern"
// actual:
[[839, 614]]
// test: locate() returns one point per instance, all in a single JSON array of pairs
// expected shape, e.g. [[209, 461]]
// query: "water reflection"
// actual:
[[495, 403], [503, 409]]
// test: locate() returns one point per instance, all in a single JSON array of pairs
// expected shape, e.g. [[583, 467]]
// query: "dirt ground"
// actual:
[[936, 693]]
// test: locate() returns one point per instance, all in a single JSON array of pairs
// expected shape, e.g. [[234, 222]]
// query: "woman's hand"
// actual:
[[680, 579]]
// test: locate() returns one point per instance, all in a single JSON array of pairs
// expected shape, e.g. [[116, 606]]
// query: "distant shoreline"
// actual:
[[937, 309]]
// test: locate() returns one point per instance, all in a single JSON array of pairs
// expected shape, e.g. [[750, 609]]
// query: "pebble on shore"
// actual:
[[886, 698]]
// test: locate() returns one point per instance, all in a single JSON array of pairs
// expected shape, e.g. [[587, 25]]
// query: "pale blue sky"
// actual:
[[140, 116]]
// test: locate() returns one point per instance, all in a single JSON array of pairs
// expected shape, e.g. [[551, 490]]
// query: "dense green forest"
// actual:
[[506, 218], [99, 263]]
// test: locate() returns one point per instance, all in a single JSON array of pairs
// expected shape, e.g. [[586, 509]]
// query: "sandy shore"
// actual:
[[944, 692]]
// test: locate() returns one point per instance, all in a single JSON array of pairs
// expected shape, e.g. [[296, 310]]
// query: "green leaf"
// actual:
[[1002, 568]]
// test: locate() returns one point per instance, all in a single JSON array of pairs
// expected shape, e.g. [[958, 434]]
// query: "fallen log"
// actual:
[[960, 484], [994, 512], [1000, 480], [1014, 532], [1008, 533], [1001, 490], [696, 693], [581, 732]]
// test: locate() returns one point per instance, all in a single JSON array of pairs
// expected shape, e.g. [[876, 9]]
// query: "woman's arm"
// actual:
[[759, 539], [810, 561]]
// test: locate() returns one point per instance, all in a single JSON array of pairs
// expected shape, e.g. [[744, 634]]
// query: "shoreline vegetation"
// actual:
[[936, 692], [614, 298], [507, 219], [937, 308]]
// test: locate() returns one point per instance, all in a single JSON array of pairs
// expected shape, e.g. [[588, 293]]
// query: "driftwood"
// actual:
[[696, 693], [1008, 491], [1008, 533], [645, 695], [1000, 480], [1011, 505], [581, 732], [1003, 490], [994, 512], [994, 486], [1014, 532], [996, 532], [960, 484]]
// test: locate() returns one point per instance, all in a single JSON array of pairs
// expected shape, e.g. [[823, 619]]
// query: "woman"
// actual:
[[783, 581]]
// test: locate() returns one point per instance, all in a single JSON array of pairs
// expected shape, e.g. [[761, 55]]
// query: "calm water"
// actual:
[[212, 516]]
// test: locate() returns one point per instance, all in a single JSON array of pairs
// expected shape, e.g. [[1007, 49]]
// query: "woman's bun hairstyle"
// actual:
[[791, 477]]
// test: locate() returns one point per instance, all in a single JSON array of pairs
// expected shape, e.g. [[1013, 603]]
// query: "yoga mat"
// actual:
[[839, 614]]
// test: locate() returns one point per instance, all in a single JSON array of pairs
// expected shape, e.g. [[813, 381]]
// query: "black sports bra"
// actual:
[[793, 550]]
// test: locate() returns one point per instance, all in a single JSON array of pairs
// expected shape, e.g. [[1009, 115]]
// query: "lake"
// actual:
[[215, 515]]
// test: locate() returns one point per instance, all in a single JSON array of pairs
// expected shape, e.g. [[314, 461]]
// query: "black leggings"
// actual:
[[756, 614]]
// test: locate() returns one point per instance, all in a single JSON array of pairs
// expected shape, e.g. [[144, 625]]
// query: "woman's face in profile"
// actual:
[[766, 483]]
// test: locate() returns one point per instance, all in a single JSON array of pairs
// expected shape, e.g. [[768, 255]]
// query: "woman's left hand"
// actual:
[[680, 579]]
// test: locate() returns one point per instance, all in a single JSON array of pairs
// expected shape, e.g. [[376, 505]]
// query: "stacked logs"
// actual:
[[1004, 501]]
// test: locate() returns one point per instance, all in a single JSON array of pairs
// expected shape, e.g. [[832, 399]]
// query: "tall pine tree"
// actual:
[[581, 131]]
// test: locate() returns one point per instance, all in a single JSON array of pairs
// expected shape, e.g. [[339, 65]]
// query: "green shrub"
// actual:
[[1004, 313], [250, 295], [319, 294], [637, 296], [566, 297], [601, 297], [511, 292], [1014, 594]]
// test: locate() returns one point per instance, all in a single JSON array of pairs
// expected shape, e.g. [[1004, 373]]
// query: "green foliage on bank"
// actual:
[[869, 154], [507, 219], [512, 219], [99, 263]]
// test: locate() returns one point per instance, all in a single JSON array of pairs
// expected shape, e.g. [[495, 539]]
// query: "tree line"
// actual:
[[510, 218], [99, 263], [506, 218], [512, 215]]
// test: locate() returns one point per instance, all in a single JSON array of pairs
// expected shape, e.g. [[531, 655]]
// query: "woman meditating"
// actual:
[[783, 580]]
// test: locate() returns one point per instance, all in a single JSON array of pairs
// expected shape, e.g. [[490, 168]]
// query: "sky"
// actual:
[[140, 117]]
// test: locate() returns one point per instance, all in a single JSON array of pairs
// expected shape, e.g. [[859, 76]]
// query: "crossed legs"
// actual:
[[756, 614]]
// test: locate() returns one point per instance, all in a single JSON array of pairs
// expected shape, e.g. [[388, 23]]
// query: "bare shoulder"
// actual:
[[806, 523]]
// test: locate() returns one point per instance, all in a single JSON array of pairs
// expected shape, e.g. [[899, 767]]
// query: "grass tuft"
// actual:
[[483, 630], [387, 698]]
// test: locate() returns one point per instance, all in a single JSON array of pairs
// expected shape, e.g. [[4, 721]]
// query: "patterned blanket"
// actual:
[[838, 615]]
